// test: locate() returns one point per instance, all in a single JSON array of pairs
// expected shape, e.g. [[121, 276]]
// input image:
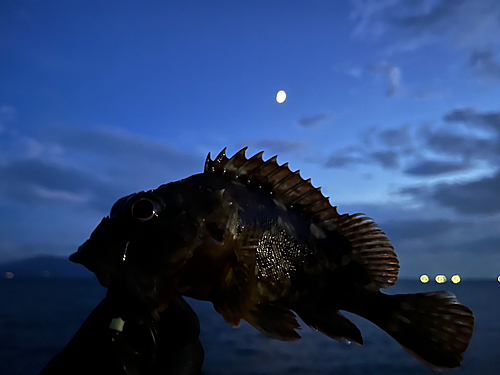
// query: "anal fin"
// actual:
[[333, 324], [275, 321]]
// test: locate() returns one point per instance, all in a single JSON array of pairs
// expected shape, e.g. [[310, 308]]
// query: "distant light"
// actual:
[[498, 279], [440, 279], [281, 96], [424, 279], [9, 275], [455, 279]]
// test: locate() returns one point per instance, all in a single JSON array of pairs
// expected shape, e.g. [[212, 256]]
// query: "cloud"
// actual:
[[457, 161], [87, 167], [385, 147], [277, 146], [311, 121], [486, 244], [428, 150], [435, 167], [66, 180], [366, 14], [344, 157], [392, 75], [418, 228], [428, 94], [129, 161], [397, 137], [469, 115], [440, 245], [485, 65], [408, 25], [34, 181], [388, 159], [119, 145], [466, 146], [476, 197], [339, 161], [431, 239], [430, 18]]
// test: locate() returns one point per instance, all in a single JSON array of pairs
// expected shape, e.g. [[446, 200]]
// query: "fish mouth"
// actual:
[[149, 285], [152, 291]]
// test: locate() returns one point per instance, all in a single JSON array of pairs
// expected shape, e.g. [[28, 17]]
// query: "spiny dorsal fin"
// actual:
[[370, 246], [284, 184]]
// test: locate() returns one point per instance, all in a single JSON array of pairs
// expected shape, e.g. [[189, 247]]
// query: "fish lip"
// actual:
[[79, 258]]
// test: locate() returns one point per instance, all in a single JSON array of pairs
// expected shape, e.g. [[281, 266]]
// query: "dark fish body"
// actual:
[[262, 244]]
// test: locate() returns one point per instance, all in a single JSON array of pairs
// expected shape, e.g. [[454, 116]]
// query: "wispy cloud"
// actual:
[[87, 167], [476, 197], [72, 176], [125, 159], [392, 74], [436, 167], [485, 65], [388, 159], [116, 144], [312, 121], [470, 115], [419, 228], [427, 151], [35, 182], [397, 137], [408, 25], [344, 157], [340, 161], [479, 197], [466, 146]]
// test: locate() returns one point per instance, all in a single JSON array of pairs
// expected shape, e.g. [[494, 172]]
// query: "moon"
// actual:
[[281, 96]]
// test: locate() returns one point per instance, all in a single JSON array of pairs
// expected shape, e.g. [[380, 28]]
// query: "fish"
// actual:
[[264, 245]]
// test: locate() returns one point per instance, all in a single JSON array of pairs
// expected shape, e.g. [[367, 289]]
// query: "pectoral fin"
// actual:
[[235, 297]]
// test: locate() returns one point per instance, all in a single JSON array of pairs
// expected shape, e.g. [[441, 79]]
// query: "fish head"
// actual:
[[141, 246]]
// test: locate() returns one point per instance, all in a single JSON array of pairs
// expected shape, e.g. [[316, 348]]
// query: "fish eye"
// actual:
[[118, 206], [144, 209]]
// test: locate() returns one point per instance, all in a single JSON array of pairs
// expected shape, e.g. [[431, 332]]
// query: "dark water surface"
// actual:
[[39, 316]]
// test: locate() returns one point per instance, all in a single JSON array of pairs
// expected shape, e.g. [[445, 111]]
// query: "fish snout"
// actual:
[[81, 257], [77, 257]]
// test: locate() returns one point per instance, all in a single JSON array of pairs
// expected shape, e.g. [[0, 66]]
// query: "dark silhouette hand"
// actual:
[[120, 337]]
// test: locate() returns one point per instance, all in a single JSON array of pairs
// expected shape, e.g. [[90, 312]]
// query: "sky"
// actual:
[[393, 108]]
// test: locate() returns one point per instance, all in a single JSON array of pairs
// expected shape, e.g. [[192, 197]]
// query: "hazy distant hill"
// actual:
[[44, 266]]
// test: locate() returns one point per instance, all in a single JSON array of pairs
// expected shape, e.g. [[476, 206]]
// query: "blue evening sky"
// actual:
[[393, 108]]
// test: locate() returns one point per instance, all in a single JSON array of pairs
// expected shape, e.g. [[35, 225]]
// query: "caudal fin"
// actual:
[[434, 327]]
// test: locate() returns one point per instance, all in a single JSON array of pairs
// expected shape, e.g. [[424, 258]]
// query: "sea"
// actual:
[[38, 317]]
